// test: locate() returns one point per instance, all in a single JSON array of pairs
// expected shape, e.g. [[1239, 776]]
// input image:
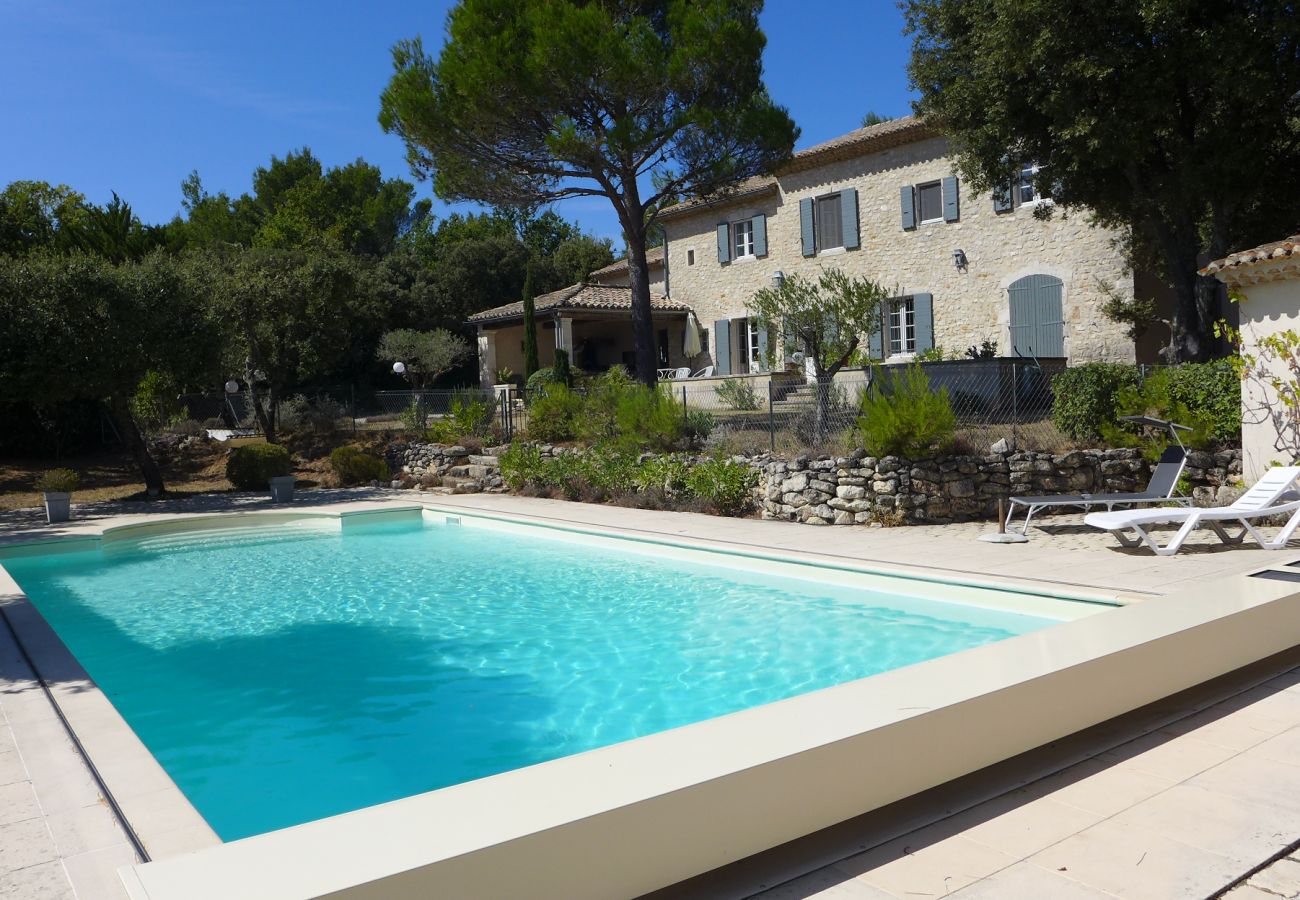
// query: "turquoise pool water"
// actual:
[[284, 675]]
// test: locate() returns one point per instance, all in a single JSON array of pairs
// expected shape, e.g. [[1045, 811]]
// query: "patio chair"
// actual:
[[706, 372], [683, 372], [1159, 489], [1274, 494]]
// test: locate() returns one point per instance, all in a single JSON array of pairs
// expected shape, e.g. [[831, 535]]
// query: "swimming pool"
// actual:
[[285, 674]]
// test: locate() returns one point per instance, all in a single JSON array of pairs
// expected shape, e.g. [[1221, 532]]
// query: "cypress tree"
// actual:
[[530, 328]]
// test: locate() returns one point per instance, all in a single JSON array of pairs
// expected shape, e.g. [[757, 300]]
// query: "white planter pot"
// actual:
[[503, 390], [58, 506], [282, 489]]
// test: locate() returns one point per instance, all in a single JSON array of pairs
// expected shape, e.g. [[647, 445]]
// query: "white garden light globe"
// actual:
[[232, 386], [399, 368]]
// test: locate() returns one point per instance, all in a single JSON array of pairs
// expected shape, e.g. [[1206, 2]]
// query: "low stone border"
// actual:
[[858, 489]]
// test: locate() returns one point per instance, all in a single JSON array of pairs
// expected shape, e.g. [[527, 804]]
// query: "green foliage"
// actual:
[[554, 414], [724, 484], [561, 372], [1206, 397], [906, 418], [698, 425], [540, 379], [987, 349], [532, 101], [647, 419], [58, 481], [530, 328], [426, 354], [738, 393], [824, 318], [415, 417], [1096, 92], [470, 414], [320, 414], [154, 404], [353, 466], [250, 468], [1085, 398], [34, 213]]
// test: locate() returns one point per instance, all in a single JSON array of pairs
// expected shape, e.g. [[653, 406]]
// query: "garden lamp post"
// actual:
[[232, 388]]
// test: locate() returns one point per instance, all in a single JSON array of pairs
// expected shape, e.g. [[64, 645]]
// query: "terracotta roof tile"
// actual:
[[654, 256], [860, 141], [578, 296], [1282, 249]]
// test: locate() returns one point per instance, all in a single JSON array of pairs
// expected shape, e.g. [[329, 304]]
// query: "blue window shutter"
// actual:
[[923, 320], [761, 327], [1037, 326], [950, 206], [722, 346], [806, 227], [1002, 197], [907, 200], [760, 235], [876, 340], [724, 242], [849, 217]]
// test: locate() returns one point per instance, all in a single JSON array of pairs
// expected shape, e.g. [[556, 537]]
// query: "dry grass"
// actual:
[[112, 475]]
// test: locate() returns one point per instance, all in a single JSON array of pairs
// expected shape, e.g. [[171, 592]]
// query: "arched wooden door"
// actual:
[[1037, 323]]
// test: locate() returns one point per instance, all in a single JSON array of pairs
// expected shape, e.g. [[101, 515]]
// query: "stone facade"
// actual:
[[970, 305]]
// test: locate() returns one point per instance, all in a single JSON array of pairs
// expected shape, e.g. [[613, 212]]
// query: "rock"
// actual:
[[843, 518], [1005, 445], [961, 488], [795, 483], [850, 492]]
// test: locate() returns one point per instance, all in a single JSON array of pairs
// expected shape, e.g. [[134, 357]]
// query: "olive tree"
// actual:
[[824, 319], [532, 101]]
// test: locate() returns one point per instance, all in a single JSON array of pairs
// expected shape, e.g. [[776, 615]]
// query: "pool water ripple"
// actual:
[[281, 675]]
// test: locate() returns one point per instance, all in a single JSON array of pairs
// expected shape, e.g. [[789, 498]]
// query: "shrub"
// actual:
[[907, 419], [554, 414], [699, 425], [154, 404], [352, 466], [724, 485], [58, 481], [320, 414], [415, 417], [1085, 397], [665, 474], [1211, 391], [738, 393], [599, 419], [561, 372], [521, 464], [540, 379], [647, 419], [470, 414], [251, 468], [1204, 396]]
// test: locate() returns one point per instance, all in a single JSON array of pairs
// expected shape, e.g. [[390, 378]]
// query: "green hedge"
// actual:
[[1085, 397], [352, 466], [1089, 399], [251, 468]]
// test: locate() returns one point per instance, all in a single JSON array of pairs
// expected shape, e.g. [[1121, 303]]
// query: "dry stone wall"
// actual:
[[859, 489]]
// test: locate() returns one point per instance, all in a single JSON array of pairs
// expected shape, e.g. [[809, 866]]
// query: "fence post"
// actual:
[[686, 417], [505, 414], [771, 420], [1015, 403]]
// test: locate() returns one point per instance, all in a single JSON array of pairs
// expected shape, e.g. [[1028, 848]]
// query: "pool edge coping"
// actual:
[[76, 699]]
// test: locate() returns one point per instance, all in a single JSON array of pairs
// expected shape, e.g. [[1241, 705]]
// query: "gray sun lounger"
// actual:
[[1164, 480]]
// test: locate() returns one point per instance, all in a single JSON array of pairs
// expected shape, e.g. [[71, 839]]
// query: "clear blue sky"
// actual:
[[131, 96]]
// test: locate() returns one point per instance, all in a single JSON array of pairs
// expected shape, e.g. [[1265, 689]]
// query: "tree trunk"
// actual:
[[643, 332], [130, 432]]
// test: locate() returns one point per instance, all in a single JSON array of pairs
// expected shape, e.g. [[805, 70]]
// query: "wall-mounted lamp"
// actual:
[[959, 259]]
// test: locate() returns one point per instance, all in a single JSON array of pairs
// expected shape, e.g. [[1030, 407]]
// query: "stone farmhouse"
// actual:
[[882, 202]]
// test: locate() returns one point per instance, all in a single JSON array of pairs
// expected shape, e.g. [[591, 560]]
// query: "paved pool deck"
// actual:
[[1196, 797]]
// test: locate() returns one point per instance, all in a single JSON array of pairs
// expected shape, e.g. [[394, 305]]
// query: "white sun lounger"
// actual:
[[1159, 490], [1274, 494]]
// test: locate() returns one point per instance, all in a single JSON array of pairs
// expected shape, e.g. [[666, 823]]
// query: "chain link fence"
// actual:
[[992, 400]]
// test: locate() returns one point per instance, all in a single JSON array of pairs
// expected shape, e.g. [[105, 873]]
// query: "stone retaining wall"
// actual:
[[860, 489]]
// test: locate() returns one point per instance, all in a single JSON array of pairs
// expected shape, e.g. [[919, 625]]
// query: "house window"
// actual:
[[830, 222], [742, 239], [1025, 190], [929, 202], [663, 346], [755, 350], [690, 257], [901, 327]]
